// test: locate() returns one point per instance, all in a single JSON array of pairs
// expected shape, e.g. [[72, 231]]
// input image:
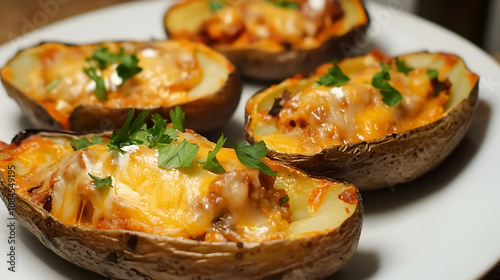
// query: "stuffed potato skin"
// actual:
[[122, 254], [277, 63], [398, 157], [205, 113]]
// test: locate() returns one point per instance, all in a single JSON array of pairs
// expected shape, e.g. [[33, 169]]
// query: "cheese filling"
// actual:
[[319, 116], [275, 26], [238, 205]]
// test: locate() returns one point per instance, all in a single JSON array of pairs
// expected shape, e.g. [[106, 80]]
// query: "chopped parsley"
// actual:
[[251, 156], [177, 155], [390, 95], [335, 76], [82, 143], [52, 85], [284, 199], [101, 182], [432, 73], [216, 5], [124, 137], [211, 162], [402, 67], [285, 4], [177, 116], [127, 68], [103, 57], [100, 87]]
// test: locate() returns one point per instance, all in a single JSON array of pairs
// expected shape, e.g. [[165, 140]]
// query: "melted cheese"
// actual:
[[318, 117], [171, 74], [186, 202], [262, 24]]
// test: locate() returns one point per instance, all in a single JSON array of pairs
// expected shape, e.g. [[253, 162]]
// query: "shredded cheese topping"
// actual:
[[171, 72], [241, 204], [317, 116], [267, 25]]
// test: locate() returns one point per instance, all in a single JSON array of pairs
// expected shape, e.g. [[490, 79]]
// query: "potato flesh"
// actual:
[[333, 120], [141, 199], [173, 73]]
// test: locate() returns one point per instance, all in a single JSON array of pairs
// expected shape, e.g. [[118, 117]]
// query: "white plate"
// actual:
[[442, 226]]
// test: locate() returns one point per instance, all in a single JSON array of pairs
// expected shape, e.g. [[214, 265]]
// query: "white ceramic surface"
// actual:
[[442, 226]]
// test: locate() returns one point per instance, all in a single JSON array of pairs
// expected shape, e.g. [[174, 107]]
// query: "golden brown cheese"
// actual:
[[318, 116], [171, 72], [262, 24], [239, 205]]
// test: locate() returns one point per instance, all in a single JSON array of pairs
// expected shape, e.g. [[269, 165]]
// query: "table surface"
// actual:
[[18, 17]]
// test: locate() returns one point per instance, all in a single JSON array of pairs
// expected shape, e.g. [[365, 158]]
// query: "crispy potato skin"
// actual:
[[203, 115], [121, 254], [394, 159], [267, 66], [271, 66]]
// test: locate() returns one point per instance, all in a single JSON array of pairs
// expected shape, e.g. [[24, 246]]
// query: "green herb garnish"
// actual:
[[390, 95], [82, 143], [215, 5], [211, 162], [123, 137], [335, 76], [177, 116], [100, 88], [251, 156], [402, 67], [432, 73], [177, 155], [52, 85], [101, 182], [285, 4], [284, 199], [103, 57], [127, 68]]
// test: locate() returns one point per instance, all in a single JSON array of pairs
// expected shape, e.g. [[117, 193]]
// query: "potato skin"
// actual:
[[203, 115], [263, 65], [268, 66], [394, 159], [121, 254]]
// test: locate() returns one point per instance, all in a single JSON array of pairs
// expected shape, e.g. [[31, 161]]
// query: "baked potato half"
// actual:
[[373, 121], [135, 215], [91, 87], [267, 39]]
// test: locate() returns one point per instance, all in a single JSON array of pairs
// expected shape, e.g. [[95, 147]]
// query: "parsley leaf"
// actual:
[[390, 95], [285, 4], [215, 5], [52, 85], [402, 67], [122, 138], [101, 182], [103, 57], [211, 162], [177, 116], [335, 76], [251, 156], [100, 88], [175, 156], [284, 199], [432, 73], [82, 143], [128, 68]]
